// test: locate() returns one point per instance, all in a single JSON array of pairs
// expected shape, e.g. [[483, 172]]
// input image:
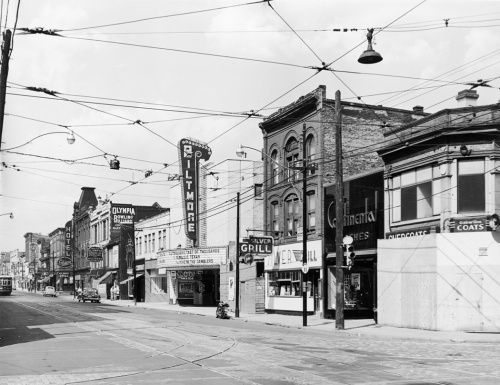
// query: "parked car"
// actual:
[[49, 290], [89, 294]]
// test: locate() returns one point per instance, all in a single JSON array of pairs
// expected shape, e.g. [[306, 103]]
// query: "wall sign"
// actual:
[[198, 257], [290, 256], [121, 214], [411, 233], [66, 261], [190, 153], [469, 224]]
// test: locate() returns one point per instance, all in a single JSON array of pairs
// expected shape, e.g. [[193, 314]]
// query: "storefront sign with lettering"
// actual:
[[197, 257], [190, 153], [290, 256], [411, 233]]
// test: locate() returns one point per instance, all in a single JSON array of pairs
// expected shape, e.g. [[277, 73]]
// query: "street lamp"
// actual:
[[370, 56], [11, 215], [305, 269]]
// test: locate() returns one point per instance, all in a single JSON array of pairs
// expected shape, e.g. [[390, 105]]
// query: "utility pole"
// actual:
[[3, 77], [305, 269], [339, 199], [237, 306]]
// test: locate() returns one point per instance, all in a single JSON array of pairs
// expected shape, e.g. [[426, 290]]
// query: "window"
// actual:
[[258, 190], [104, 229], [310, 151], [292, 156], [416, 194], [153, 243], [274, 218], [160, 244], [137, 245], [292, 215], [311, 211], [284, 283], [140, 245], [275, 178], [164, 239], [159, 285], [471, 186]]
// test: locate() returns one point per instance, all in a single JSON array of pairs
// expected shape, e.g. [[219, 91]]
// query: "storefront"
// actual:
[[284, 278], [363, 221], [193, 274]]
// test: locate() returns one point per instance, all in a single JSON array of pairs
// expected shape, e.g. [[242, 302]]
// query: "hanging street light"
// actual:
[[370, 56]]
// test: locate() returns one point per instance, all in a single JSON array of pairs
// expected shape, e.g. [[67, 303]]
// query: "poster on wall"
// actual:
[[356, 281], [230, 296]]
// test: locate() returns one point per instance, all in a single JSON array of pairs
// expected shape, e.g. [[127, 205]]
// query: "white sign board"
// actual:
[[102, 289], [289, 256], [199, 257]]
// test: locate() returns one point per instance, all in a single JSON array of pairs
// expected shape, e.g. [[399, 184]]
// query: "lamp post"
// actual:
[[304, 169], [11, 215]]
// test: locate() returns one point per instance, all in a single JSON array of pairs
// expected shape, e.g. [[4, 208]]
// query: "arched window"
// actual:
[[310, 150], [275, 168], [274, 218], [291, 157], [292, 212], [311, 211]]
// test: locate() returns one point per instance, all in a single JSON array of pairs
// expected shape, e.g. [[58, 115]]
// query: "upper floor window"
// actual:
[[153, 243], [311, 211], [416, 194], [275, 168], [292, 212], [292, 157], [471, 186], [164, 239], [258, 190], [274, 217], [310, 151]]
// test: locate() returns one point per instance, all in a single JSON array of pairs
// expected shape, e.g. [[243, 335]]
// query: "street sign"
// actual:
[[257, 245], [347, 240], [248, 259], [305, 269]]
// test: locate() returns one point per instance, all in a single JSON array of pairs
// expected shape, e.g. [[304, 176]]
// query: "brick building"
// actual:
[[362, 127]]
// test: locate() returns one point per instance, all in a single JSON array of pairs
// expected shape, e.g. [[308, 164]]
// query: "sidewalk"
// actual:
[[359, 327]]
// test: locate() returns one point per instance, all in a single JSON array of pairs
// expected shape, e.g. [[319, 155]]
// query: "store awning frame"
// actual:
[[130, 278], [104, 277]]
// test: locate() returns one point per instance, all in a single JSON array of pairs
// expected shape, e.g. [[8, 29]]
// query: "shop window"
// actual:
[[158, 285], [284, 283], [292, 211], [471, 186], [311, 211], [274, 168]]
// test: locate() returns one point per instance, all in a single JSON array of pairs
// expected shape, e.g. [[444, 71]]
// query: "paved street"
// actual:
[[60, 341]]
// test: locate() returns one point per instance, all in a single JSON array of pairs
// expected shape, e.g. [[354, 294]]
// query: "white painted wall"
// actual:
[[443, 281]]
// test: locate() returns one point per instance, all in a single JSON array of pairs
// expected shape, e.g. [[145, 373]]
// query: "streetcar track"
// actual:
[[159, 352]]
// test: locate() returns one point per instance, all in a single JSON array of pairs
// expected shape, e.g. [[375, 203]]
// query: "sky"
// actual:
[[132, 78]]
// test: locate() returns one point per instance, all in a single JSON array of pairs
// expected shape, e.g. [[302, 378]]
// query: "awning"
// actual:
[[130, 278], [58, 281], [104, 278]]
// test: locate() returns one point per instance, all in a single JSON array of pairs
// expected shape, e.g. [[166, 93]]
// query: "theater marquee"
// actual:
[[200, 257]]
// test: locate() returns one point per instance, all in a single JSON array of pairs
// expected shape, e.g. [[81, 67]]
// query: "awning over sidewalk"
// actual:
[[130, 278], [105, 278]]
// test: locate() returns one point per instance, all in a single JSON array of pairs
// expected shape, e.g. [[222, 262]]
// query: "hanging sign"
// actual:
[[66, 261], [190, 153], [94, 254]]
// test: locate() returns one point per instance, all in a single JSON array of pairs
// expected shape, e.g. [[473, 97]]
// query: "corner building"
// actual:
[[362, 125]]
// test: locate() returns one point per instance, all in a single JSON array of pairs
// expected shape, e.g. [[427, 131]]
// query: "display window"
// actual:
[[285, 284], [186, 290], [358, 289]]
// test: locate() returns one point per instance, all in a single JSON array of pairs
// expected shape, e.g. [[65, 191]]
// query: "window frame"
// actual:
[[292, 215], [478, 206]]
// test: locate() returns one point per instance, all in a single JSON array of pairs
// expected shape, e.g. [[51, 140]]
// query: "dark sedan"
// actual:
[[89, 294]]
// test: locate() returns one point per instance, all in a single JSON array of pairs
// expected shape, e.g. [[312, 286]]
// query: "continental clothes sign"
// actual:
[[200, 257]]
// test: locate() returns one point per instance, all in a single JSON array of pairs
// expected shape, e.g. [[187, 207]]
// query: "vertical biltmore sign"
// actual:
[[190, 153]]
